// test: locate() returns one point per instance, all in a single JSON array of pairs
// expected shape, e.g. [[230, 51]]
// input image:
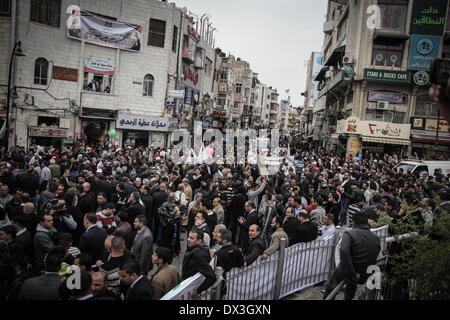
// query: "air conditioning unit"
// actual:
[[382, 105], [329, 74], [347, 60]]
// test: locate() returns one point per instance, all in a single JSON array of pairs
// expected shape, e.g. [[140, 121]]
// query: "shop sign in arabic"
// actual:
[[145, 123], [428, 17], [424, 48], [431, 125]]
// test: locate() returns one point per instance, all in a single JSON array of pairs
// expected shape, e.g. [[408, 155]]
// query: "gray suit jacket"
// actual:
[[44, 287], [142, 250]]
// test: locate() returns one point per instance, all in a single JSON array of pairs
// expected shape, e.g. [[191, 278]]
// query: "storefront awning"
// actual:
[[389, 38], [334, 57], [321, 75], [335, 136], [386, 141], [430, 137]]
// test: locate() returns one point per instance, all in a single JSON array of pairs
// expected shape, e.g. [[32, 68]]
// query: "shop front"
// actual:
[[143, 131], [374, 136], [94, 125], [47, 136], [428, 140]]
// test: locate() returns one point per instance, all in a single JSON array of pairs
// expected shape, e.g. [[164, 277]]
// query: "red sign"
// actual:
[[188, 74], [48, 132], [67, 74], [2, 105], [193, 33]]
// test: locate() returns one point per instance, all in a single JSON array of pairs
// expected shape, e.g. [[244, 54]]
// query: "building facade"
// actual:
[[76, 83], [374, 80]]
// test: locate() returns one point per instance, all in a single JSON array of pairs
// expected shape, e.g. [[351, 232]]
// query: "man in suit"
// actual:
[[252, 218], [23, 237], [256, 245], [290, 224], [85, 203], [307, 231], [45, 286], [64, 179], [142, 248], [211, 219], [134, 208], [140, 288], [93, 240], [159, 198]]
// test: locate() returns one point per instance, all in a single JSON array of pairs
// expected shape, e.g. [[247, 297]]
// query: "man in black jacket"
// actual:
[[140, 288], [197, 259], [159, 198], [256, 245], [147, 200], [252, 218], [359, 250], [290, 224], [133, 208], [306, 231], [85, 203], [93, 240], [29, 182]]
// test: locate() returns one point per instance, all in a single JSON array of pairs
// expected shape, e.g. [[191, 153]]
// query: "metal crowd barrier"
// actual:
[[287, 271]]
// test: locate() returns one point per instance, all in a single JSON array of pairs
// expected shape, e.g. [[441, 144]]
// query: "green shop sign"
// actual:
[[387, 75], [428, 17]]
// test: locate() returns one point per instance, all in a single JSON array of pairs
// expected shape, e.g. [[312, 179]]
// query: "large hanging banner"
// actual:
[[107, 33]]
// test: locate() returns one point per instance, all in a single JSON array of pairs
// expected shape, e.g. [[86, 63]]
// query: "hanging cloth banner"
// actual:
[[107, 33]]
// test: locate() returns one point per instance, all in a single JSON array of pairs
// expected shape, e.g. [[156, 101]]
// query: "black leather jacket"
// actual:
[[197, 259], [359, 249]]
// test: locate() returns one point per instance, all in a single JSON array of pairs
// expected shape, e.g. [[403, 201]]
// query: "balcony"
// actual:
[[328, 26], [340, 82], [96, 100]]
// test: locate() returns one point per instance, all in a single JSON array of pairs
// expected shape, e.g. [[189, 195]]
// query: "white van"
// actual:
[[419, 166]]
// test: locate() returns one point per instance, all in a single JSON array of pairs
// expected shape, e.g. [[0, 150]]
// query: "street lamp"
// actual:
[[17, 51]]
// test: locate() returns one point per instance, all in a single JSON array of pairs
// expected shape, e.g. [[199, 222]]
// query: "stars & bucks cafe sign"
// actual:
[[387, 75]]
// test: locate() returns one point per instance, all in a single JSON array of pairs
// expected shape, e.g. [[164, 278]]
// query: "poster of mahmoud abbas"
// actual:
[[106, 32]]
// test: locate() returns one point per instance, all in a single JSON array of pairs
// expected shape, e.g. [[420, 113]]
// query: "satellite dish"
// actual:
[[72, 103], [184, 10]]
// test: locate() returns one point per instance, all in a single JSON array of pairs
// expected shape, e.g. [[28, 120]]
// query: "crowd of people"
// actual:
[[119, 216]]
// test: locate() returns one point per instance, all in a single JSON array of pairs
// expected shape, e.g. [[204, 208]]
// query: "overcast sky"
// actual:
[[275, 36]]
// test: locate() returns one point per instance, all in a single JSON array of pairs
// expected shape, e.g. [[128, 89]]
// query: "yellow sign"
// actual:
[[354, 146], [431, 125]]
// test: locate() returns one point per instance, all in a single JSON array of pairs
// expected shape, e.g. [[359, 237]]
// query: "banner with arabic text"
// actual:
[[106, 32]]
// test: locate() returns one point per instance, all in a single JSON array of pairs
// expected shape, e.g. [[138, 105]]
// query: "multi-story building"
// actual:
[[310, 106], [274, 108], [77, 81], [375, 79], [261, 107], [225, 97], [244, 97]]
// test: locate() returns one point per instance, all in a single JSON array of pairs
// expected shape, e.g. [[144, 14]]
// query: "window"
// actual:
[[208, 66], [97, 82], [425, 107], [393, 14], [40, 71], [148, 85], [238, 87], [157, 33], [48, 121], [46, 12], [221, 101], [5, 8], [385, 116], [384, 54], [175, 39]]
